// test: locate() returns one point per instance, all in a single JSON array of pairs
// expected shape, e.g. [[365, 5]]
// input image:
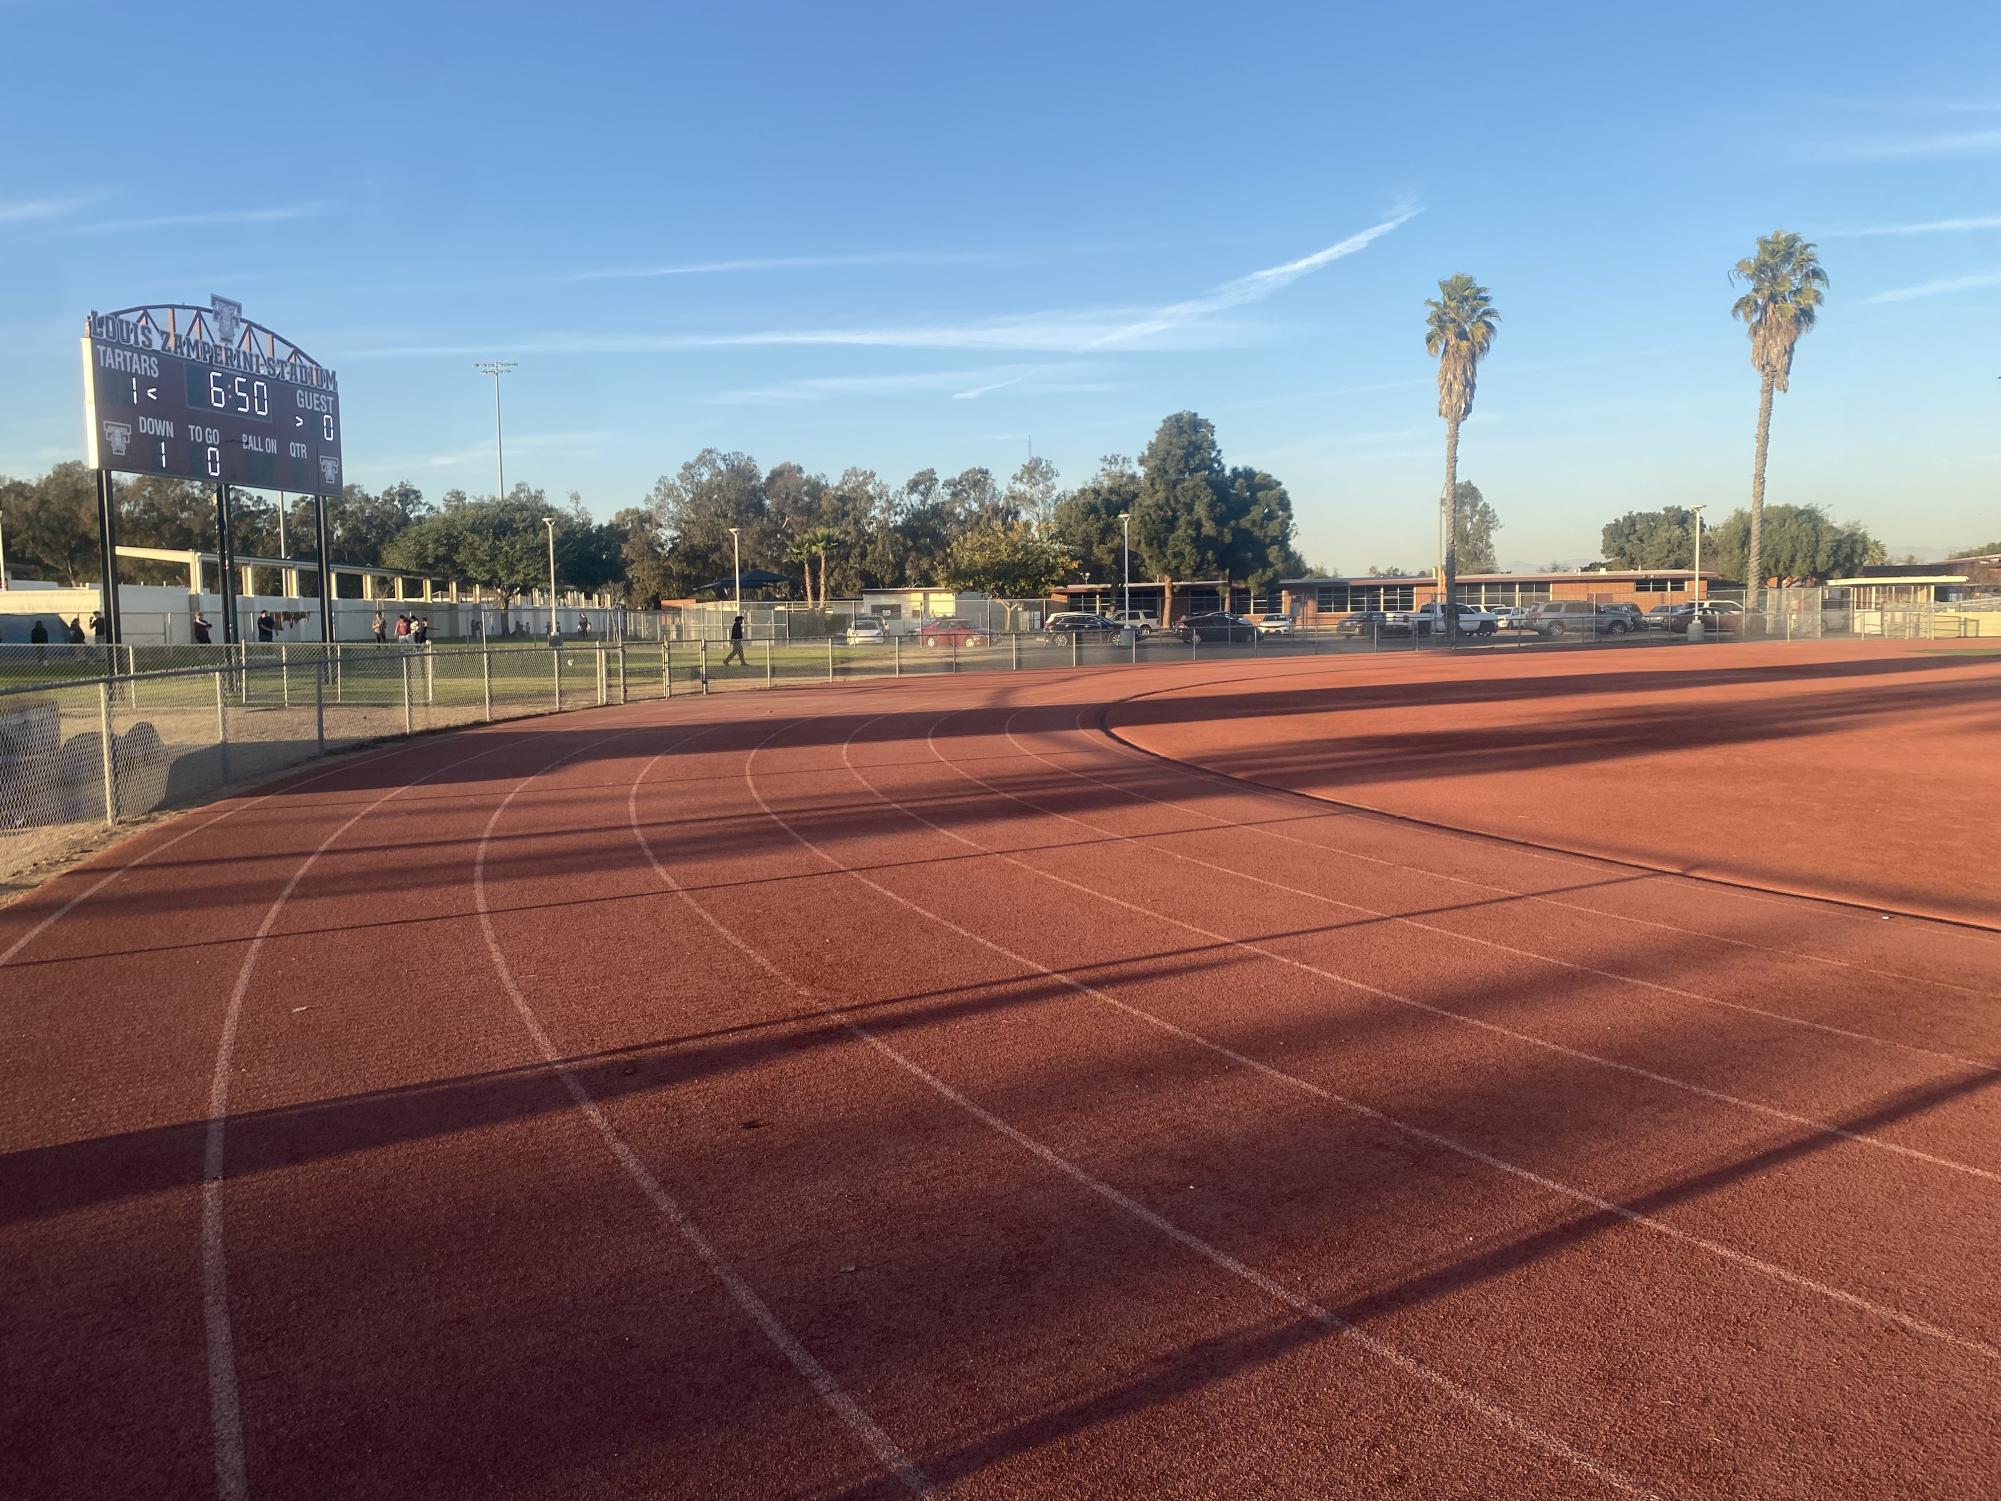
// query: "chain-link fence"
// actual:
[[95, 735]]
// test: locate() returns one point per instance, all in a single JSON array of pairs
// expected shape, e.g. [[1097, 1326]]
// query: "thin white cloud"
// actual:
[[1936, 288], [960, 384], [978, 391], [33, 210], [1904, 148], [1924, 227], [785, 263], [1255, 287], [525, 445], [1190, 325], [275, 215]]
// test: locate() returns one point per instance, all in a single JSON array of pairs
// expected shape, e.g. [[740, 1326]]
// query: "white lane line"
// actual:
[[1410, 1365], [1728, 1253], [230, 811], [232, 1481], [1977, 1065], [1771, 1112], [830, 1391], [1792, 901]]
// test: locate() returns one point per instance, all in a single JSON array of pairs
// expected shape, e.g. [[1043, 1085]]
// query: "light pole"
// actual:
[[736, 557], [550, 523], [1126, 522], [3, 549], [496, 369], [1696, 582]]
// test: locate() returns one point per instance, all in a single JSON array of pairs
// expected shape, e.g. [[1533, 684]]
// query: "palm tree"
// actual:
[[800, 550], [1458, 331], [824, 540], [1785, 281]]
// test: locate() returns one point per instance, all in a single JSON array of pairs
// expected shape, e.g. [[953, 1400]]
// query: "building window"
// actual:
[[1331, 597]]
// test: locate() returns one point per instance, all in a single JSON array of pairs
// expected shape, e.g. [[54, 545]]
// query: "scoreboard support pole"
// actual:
[[225, 553], [107, 557], [322, 545]]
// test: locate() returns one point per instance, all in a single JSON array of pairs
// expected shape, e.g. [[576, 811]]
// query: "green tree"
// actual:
[[642, 556], [1376, 571], [1977, 552], [363, 525], [1033, 493], [1474, 523], [1459, 329], [497, 544], [695, 509], [1008, 559], [1179, 516], [1085, 523], [52, 525], [1784, 286], [1652, 539], [1801, 543]]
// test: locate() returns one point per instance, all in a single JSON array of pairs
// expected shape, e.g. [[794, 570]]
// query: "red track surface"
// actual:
[[856, 1092]]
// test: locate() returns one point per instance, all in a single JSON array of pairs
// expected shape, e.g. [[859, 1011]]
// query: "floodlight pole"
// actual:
[[549, 522], [1126, 521], [3, 549], [736, 557], [1696, 582], [496, 369]]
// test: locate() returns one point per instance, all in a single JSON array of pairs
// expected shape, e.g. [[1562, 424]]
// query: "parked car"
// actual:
[[1429, 620], [1583, 617], [1719, 617], [1217, 626], [1658, 617], [1370, 623], [1079, 625], [867, 630], [1273, 625], [1513, 617], [952, 632], [1143, 621]]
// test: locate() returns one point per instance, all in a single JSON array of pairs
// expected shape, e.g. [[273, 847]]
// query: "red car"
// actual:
[[952, 633]]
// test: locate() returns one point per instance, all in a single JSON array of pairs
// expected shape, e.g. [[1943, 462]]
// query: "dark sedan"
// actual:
[[1372, 623], [1216, 626]]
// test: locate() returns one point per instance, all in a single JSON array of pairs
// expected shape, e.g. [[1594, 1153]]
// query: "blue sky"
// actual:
[[923, 234]]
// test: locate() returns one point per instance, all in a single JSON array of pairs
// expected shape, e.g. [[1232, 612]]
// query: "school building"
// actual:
[[1327, 601]]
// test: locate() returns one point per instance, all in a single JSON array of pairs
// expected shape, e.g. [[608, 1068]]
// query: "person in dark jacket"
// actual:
[[266, 626], [39, 634], [736, 644], [100, 629], [198, 628]]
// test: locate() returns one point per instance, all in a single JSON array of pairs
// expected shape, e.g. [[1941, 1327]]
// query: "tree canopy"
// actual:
[[1474, 524], [1801, 543]]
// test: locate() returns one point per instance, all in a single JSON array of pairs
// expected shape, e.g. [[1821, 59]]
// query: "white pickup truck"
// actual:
[[1429, 620]]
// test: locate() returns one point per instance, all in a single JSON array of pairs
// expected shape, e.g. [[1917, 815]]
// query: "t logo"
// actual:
[[118, 435], [228, 320], [330, 469]]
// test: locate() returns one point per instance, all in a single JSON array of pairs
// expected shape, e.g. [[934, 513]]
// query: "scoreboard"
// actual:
[[214, 414]]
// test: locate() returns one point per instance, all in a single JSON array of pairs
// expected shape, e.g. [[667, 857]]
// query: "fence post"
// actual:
[[221, 727], [896, 656], [767, 661], [666, 668], [284, 674], [320, 707], [1014, 652], [556, 666], [830, 659], [622, 699], [604, 681], [110, 751], [486, 682], [409, 724], [1076, 648], [705, 666]]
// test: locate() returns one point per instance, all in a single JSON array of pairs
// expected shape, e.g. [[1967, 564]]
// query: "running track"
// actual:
[[911, 1089]]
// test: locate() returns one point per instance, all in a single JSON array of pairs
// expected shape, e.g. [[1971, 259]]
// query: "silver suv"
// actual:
[[1582, 617]]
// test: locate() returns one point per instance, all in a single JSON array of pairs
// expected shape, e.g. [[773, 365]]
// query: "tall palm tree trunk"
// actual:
[[823, 578], [807, 569], [1449, 531], [1754, 555]]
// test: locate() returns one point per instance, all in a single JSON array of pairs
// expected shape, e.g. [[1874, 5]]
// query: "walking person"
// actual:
[[39, 634], [100, 629], [267, 628], [420, 631], [736, 644], [198, 628], [402, 630], [75, 637], [380, 627]]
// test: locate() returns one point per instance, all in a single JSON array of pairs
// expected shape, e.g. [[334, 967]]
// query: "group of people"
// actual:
[[38, 636], [411, 630]]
